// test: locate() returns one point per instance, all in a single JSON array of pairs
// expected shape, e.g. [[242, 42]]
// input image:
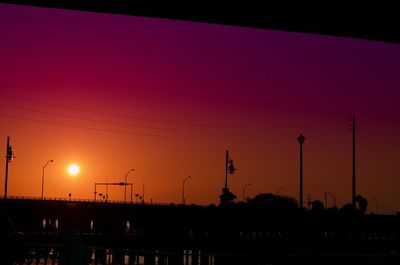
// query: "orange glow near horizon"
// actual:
[[109, 93]]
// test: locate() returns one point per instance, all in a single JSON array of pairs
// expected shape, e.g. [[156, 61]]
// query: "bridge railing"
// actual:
[[82, 200]]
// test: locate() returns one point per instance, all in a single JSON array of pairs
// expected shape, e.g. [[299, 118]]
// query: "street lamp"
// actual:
[[301, 139], [229, 167], [126, 175], [244, 189], [183, 189], [326, 198], [45, 165]]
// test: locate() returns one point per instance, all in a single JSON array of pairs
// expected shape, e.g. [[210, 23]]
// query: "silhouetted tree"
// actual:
[[273, 202], [362, 203], [348, 209], [317, 206], [333, 209], [360, 207], [211, 206]]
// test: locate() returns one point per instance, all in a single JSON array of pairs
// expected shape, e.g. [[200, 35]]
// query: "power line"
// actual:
[[155, 127], [166, 121], [155, 135]]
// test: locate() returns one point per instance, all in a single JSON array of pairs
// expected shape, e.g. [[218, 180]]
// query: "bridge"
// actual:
[[374, 20], [79, 232]]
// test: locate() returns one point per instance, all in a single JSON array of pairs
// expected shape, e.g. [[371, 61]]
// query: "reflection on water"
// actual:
[[52, 256]]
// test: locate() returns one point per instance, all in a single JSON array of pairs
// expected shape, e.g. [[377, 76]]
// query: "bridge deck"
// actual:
[[235, 235]]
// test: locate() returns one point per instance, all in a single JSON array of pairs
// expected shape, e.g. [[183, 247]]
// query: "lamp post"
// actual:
[[326, 199], [334, 198], [301, 139], [183, 189], [45, 165], [143, 193], [244, 190], [354, 164], [126, 175], [229, 167]]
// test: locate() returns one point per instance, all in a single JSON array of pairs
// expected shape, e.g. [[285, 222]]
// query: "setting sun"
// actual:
[[73, 169]]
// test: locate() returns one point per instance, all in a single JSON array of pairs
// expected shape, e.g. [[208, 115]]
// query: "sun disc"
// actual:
[[73, 169]]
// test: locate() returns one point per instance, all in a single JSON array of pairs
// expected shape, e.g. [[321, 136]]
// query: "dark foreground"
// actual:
[[71, 232]]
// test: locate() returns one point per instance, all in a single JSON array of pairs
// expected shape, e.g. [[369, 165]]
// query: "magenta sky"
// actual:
[[166, 78]]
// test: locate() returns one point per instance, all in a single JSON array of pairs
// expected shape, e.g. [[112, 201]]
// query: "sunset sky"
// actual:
[[167, 98]]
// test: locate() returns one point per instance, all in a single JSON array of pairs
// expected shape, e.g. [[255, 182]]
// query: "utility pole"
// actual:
[[301, 139], [354, 163], [226, 169], [143, 193], [7, 159]]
